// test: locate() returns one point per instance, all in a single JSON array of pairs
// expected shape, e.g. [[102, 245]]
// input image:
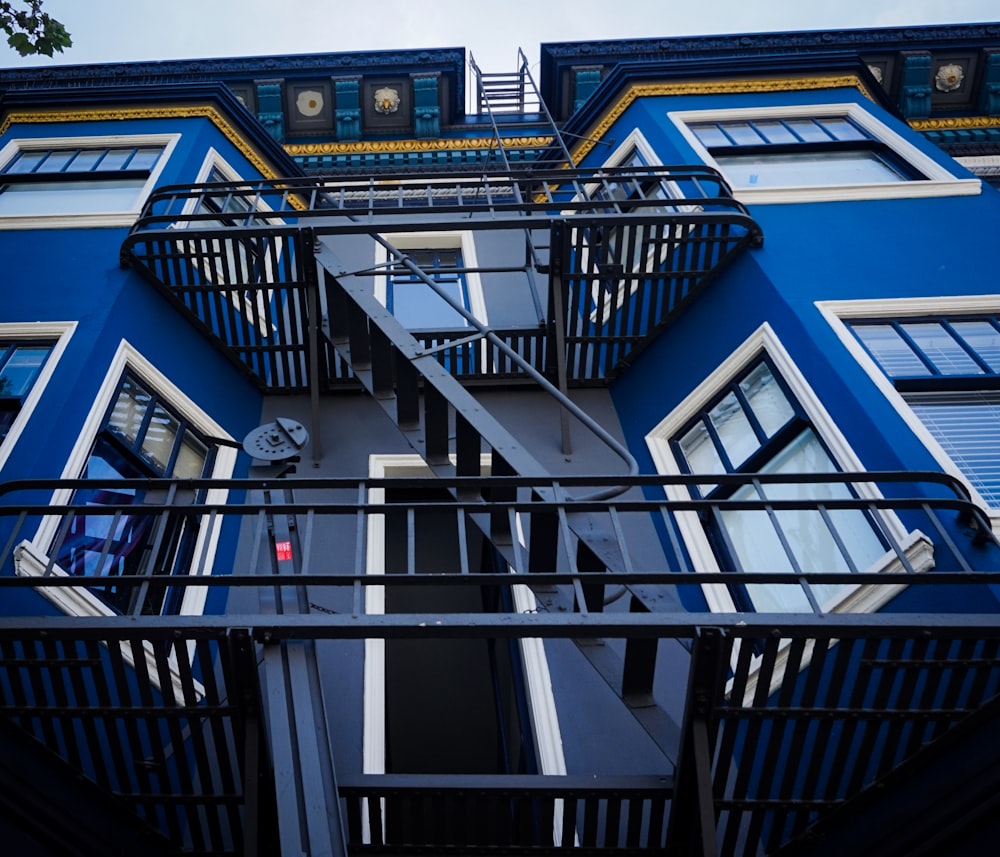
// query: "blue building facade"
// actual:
[[304, 359]]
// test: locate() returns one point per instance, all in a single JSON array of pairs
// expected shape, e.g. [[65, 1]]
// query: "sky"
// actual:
[[123, 30]]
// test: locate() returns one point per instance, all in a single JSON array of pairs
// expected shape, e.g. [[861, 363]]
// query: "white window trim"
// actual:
[[86, 220], [836, 311], [31, 557], [918, 548], [939, 181], [60, 331], [35, 552], [448, 240], [538, 682]]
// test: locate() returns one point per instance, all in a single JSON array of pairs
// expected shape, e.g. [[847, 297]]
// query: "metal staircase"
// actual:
[[269, 289]]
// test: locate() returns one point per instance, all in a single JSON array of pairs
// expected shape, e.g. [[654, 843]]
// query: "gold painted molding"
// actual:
[[203, 111], [711, 87], [955, 124], [392, 146]]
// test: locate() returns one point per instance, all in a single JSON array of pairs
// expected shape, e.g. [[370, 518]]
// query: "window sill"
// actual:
[[67, 221], [919, 551], [847, 193], [29, 561]]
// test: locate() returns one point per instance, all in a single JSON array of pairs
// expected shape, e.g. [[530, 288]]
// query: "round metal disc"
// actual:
[[276, 441]]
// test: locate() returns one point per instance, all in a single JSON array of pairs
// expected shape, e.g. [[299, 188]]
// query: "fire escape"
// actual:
[[263, 270]]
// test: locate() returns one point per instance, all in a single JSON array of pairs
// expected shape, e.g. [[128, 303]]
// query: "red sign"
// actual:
[[283, 550]]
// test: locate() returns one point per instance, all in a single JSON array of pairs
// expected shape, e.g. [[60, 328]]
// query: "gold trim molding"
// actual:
[[955, 124], [712, 87], [393, 146], [204, 111]]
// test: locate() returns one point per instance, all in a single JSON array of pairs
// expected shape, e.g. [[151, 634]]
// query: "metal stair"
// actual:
[[429, 405]]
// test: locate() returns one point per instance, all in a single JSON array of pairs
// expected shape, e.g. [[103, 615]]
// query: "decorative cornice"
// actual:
[[711, 87], [146, 73], [203, 111], [958, 123], [380, 146], [785, 42]]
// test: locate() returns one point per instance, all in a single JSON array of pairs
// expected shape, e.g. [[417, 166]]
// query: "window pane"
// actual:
[[710, 134], [734, 430], [743, 134], [71, 197], [114, 160], [775, 132], [25, 162], [90, 535], [145, 159], [191, 457], [699, 451], [130, 410], [56, 162], [86, 160], [808, 130], [810, 538], [890, 350], [983, 338], [967, 425], [415, 304], [842, 129], [19, 372], [941, 349], [802, 169], [767, 400], [159, 440]]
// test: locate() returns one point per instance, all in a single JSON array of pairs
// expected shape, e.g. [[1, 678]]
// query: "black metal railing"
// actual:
[[618, 269], [163, 709]]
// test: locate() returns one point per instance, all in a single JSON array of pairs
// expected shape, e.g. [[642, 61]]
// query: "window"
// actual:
[[814, 152], [142, 438], [947, 370], [634, 154], [756, 413], [83, 181], [20, 365], [413, 304], [140, 426], [754, 425], [29, 352], [449, 258]]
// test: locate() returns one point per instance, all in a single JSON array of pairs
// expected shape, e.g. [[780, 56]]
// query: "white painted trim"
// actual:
[[939, 181], [461, 239], [58, 220], [762, 341], [544, 715], [836, 311], [61, 331], [127, 357]]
